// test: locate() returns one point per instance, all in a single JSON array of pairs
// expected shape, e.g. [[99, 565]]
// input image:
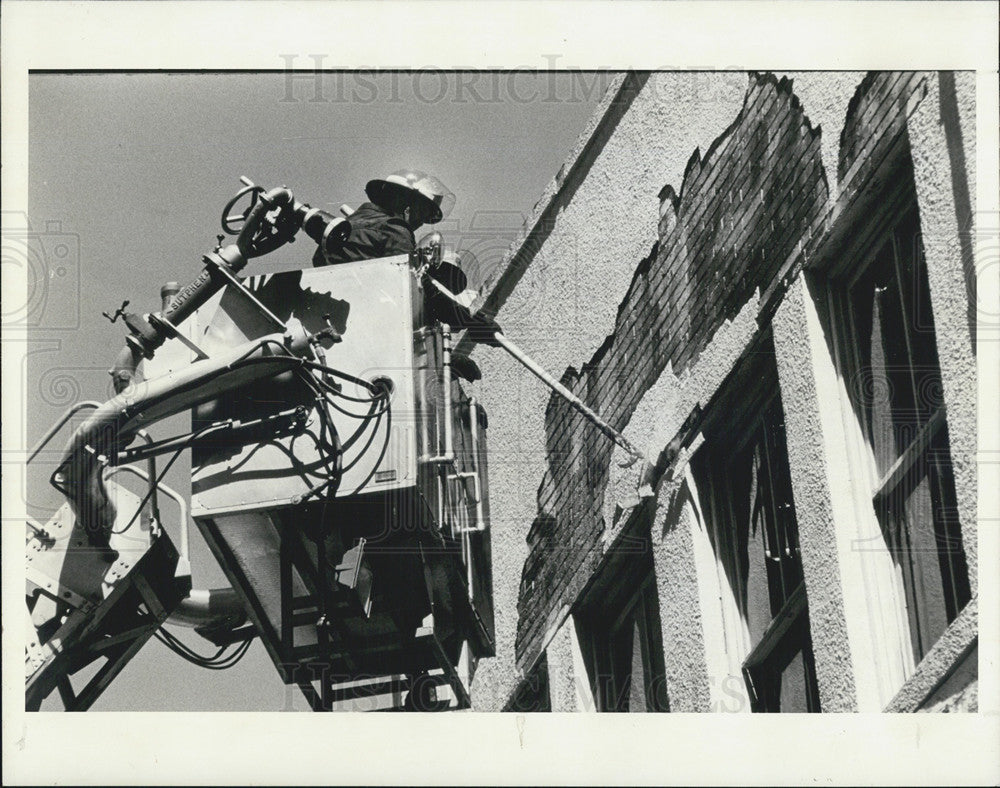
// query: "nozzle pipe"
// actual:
[[167, 293], [184, 302], [324, 228], [539, 372], [567, 395]]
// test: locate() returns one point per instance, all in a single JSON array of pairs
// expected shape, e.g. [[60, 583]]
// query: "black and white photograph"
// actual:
[[502, 382]]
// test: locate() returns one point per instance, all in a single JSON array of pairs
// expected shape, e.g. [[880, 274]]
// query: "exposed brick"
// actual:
[[754, 201], [875, 104], [758, 187]]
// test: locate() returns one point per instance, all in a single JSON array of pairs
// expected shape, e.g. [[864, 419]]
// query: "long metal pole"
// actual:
[[533, 367], [566, 394]]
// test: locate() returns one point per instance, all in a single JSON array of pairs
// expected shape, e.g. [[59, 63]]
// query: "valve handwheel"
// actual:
[[232, 224], [264, 225]]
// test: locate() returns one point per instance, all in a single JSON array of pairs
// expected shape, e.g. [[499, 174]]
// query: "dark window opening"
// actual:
[[744, 468], [621, 639], [899, 400], [532, 694]]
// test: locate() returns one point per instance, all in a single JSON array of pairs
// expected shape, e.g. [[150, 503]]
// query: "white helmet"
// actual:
[[426, 189]]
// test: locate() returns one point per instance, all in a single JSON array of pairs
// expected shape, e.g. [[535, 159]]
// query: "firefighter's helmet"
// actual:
[[413, 184]]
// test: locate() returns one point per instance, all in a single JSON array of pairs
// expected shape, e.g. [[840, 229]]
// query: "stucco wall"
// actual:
[[565, 305], [811, 482], [953, 656], [645, 305], [942, 157], [724, 234]]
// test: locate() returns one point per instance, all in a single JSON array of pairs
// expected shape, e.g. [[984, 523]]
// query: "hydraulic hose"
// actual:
[[113, 425], [214, 608]]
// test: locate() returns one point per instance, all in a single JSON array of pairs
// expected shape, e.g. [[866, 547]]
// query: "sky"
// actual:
[[128, 175]]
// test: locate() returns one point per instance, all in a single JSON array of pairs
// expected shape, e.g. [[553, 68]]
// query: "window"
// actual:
[[744, 468], [621, 640], [890, 350]]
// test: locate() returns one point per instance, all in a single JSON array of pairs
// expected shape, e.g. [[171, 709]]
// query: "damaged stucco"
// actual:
[[604, 220], [740, 210], [646, 305]]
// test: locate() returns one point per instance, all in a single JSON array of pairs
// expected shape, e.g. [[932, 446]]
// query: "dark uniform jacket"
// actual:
[[374, 233]]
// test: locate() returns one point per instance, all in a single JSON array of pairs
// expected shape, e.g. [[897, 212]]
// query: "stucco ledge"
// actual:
[[959, 638]]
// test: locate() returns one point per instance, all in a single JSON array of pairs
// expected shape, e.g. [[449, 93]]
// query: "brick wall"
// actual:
[[877, 112], [740, 214], [570, 272]]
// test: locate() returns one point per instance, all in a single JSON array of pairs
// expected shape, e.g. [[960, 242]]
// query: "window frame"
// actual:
[[745, 401], [777, 648], [614, 601], [894, 612]]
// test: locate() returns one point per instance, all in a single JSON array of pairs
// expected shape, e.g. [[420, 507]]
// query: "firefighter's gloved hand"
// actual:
[[454, 308]]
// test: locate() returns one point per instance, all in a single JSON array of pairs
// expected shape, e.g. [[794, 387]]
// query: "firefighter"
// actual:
[[456, 309], [399, 205]]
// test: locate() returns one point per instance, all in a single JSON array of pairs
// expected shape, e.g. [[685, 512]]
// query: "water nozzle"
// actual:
[[324, 228]]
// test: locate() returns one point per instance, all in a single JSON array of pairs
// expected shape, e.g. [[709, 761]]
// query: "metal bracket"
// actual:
[[162, 324], [476, 499], [217, 269], [353, 575], [54, 588], [477, 494]]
